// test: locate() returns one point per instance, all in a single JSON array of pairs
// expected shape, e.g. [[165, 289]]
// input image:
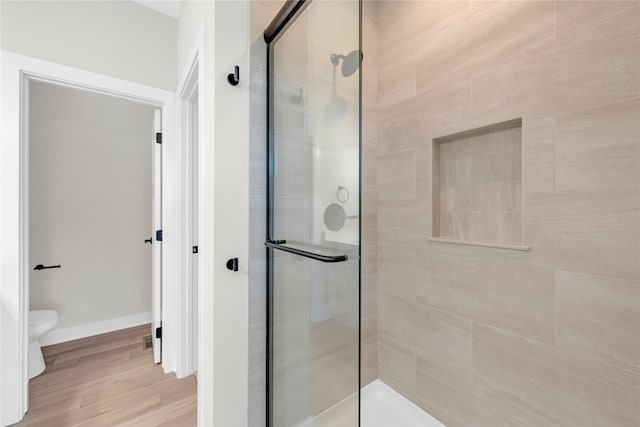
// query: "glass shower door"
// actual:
[[313, 232]]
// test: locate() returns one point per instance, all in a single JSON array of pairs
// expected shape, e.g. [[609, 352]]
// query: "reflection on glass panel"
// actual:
[[316, 203]]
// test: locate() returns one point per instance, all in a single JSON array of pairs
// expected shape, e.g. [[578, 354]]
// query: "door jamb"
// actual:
[[192, 82]]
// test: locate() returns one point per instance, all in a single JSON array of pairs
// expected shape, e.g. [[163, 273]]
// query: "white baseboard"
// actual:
[[57, 336]]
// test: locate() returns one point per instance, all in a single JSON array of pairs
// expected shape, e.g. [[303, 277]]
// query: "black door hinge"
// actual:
[[194, 250], [159, 235], [158, 137], [159, 332]]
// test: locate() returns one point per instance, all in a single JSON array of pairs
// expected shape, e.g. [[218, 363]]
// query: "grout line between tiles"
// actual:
[[597, 21]]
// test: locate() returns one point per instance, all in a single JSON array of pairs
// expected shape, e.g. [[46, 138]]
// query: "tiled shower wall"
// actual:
[[369, 196], [484, 336]]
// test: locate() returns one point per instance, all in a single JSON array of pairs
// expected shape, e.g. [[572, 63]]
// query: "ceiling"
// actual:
[[166, 7]]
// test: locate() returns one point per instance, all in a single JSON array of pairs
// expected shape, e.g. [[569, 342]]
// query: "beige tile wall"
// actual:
[[369, 197], [484, 336]]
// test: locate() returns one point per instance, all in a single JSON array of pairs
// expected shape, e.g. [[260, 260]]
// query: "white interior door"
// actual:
[[156, 292]]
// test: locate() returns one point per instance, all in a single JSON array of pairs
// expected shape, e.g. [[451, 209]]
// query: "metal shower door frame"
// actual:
[[289, 12]]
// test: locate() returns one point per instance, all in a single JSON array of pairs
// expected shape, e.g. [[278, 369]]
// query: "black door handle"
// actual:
[[42, 267], [279, 244], [149, 240]]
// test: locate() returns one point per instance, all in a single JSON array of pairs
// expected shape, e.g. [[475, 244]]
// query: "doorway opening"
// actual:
[[94, 172], [18, 73]]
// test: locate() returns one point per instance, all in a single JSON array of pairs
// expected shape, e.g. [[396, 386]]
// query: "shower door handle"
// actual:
[[279, 244]]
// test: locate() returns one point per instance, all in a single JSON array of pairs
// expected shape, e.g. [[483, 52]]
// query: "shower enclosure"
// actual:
[[500, 221], [313, 213]]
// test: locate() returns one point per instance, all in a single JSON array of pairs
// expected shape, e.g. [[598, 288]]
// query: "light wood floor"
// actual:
[[108, 380]]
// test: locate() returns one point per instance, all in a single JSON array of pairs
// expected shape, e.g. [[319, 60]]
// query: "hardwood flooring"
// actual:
[[108, 380]]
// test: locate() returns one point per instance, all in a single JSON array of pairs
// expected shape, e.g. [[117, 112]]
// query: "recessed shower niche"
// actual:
[[477, 186]]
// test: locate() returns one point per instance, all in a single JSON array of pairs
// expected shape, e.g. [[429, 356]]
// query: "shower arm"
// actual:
[[335, 58], [333, 87]]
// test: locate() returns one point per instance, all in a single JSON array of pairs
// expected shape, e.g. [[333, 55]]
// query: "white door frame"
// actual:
[[156, 224], [15, 73], [191, 87]]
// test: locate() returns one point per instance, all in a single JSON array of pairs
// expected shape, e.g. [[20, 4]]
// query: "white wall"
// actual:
[[117, 38], [90, 199], [222, 369]]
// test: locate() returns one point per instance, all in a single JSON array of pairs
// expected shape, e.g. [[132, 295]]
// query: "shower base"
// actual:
[[380, 405]]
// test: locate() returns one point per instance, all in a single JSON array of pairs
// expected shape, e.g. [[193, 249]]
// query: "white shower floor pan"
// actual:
[[380, 406]]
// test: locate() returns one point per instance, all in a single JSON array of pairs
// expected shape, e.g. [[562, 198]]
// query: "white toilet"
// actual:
[[40, 322]]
